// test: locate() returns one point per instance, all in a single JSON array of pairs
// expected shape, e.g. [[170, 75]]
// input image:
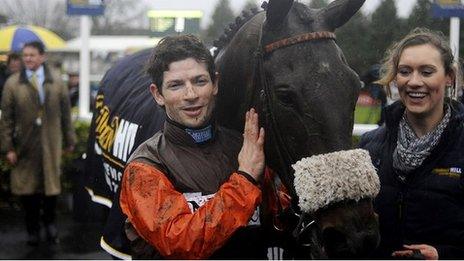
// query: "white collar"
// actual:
[[40, 72]]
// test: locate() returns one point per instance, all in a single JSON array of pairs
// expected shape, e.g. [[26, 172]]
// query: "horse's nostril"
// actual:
[[335, 243], [370, 242], [333, 236], [339, 245]]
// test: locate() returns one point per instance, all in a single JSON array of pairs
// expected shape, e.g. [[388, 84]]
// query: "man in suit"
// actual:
[[36, 118]]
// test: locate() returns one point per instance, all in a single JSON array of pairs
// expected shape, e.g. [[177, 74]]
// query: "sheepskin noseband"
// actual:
[[333, 177]]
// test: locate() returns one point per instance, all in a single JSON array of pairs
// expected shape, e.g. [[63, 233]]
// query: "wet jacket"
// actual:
[[425, 206], [188, 201], [38, 147]]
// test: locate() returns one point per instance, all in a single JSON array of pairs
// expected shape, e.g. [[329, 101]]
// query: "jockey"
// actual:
[[184, 193]]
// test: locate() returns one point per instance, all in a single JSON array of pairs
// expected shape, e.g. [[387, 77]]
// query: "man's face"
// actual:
[[188, 93], [32, 58], [73, 81]]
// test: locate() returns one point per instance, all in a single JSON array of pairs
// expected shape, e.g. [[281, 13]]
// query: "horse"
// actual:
[[284, 62]]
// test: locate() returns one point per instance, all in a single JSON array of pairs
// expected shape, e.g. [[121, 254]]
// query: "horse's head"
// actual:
[[336, 190], [298, 80]]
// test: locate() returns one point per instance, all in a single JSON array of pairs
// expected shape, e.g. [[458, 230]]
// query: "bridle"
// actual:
[[306, 222], [267, 95], [269, 48]]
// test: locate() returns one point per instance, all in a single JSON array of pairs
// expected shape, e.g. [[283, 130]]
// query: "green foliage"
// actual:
[[3, 19], [250, 4], [68, 160], [365, 38], [384, 29], [351, 38], [222, 16], [422, 18], [367, 114], [356, 140]]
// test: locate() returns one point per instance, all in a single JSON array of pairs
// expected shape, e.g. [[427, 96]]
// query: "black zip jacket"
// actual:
[[425, 206]]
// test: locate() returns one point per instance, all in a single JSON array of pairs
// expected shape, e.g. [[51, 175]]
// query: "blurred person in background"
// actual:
[[36, 119], [73, 88], [13, 65]]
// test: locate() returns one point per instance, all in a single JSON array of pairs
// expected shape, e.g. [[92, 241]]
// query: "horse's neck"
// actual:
[[235, 63]]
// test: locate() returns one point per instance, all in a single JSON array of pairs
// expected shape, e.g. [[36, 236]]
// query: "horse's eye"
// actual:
[[285, 96]]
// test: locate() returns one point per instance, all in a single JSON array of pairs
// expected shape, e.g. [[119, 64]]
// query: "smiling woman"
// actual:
[[418, 153], [421, 66], [421, 81]]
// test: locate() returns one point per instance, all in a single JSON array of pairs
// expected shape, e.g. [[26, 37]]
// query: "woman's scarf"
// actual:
[[411, 150]]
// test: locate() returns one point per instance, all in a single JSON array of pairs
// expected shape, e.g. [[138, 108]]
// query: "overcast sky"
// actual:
[[207, 6]]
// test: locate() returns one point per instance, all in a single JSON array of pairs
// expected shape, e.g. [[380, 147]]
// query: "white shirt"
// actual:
[[40, 74]]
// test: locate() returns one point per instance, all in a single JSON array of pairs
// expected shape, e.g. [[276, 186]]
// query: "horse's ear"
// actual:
[[276, 11], [339, 12]]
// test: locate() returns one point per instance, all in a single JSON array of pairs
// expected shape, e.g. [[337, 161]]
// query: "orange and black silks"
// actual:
[[163, 218], [156, 192]]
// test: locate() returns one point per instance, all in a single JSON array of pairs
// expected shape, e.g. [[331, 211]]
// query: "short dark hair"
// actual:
[[37, 45], [13, 56], [176, 48]]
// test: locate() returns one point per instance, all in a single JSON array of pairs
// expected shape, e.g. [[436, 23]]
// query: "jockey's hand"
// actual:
[[11, 157], [428, 252], [251, 156]]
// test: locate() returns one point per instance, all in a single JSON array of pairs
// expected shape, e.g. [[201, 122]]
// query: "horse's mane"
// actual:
[[230, 30]]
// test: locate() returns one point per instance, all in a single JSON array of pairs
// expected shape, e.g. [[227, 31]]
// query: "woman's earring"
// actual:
[[449, 91]]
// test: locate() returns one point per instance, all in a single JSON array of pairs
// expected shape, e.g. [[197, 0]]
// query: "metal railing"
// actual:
[[360, 129]]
